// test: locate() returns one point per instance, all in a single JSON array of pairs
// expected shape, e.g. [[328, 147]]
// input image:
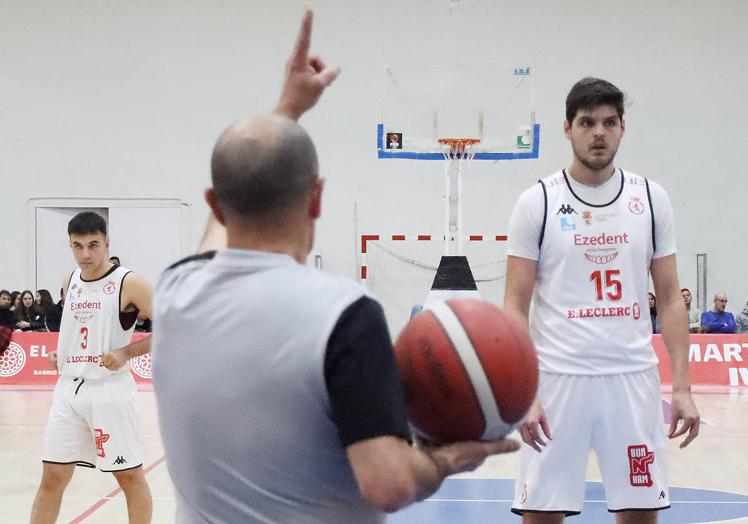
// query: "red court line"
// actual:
[[108, 496]]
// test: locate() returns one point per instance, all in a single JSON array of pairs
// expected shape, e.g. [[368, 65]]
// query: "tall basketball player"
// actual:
[[94, 415], [583, 243]]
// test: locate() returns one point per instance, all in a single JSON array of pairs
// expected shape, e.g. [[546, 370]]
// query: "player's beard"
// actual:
[[594, 163]]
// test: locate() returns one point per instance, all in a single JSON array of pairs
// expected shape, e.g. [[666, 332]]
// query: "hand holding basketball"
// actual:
[[306, 76], [461, 457]]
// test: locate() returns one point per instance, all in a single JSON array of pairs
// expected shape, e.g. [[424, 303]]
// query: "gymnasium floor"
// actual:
[[709, 479]]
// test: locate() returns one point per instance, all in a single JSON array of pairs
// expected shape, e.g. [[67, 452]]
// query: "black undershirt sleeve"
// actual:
[[362, 378]]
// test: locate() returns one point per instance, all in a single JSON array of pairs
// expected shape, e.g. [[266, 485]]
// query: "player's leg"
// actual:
[[631, 448], [636, 517], [66, 443], [55, 478], [550, 484], [137, 493], [543, 518], [115, 413]]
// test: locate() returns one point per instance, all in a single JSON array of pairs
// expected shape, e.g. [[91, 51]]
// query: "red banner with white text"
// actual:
[[715, 360], [25, 361]]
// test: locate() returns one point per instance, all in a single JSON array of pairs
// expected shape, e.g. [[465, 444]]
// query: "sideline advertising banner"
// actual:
[[25, 361], [715, 360]]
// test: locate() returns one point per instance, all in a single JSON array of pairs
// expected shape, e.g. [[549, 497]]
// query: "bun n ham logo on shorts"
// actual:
[[640, 458]]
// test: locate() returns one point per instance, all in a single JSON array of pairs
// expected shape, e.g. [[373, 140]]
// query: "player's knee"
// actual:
[[129, 478], [56, 477]]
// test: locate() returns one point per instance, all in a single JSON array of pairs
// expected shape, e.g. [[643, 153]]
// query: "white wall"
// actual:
[[104, 99]]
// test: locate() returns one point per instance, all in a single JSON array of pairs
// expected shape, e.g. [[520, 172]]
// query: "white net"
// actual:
[[400, 272]]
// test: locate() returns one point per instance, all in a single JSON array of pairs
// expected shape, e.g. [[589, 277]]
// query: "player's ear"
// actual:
[[567, 129], [315, 198], [212, 200]]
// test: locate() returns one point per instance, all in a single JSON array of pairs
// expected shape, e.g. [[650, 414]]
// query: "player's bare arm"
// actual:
[[307, 76], [674, 320], [52, 355], [391, 474], [520, 284], [137, 294]]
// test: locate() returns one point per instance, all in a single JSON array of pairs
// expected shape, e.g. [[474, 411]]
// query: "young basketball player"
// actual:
[[292, 411], [582, 245], [94, 415]]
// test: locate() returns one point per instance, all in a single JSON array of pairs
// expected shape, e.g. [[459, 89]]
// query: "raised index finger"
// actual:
[[301, 49]]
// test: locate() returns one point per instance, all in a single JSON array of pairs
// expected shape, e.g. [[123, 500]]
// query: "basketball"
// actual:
[[470, 371]]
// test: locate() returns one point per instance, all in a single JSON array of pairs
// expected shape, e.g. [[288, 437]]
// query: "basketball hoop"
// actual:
[[457, 147], [458, 156]]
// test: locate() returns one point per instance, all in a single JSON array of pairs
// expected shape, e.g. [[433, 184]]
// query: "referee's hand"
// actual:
[[307, 76]]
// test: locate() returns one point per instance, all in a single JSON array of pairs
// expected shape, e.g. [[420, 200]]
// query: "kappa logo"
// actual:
[[566, 209], [640, 458], [636, 206], [119, 460]]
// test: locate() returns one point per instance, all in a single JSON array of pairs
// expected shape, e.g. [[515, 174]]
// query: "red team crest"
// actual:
[[636, 206], [100, 438], [110, 288], [637, 311], [640, 458]]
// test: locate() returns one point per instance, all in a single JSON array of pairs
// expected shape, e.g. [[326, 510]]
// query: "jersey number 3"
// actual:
[[84, 337], [613, 288]]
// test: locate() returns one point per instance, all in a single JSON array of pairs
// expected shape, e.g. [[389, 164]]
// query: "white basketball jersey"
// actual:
[[590, 310], [93, 325]]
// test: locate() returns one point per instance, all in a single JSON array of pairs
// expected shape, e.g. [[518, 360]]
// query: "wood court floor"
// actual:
[[715, 465]]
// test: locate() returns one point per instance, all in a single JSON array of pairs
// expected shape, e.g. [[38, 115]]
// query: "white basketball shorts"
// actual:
[[617, 416], [94, 423]]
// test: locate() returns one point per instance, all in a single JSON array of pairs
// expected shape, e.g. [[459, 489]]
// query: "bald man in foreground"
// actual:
[[288, 407]]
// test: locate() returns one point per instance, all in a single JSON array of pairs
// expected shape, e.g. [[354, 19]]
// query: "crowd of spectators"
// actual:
[[717, 320], [29, 311]]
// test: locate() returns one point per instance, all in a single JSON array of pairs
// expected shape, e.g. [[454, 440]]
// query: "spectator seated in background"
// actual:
[[7, 319], [741, 320], [26, 312], [15, 300], [115, 260], [49, 313], [653, 313], [718, 320], [694, 313]]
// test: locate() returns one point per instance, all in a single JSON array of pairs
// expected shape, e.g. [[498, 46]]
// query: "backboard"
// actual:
[[490, 103]]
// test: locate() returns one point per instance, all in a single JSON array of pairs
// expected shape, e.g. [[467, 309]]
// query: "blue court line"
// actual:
[[410, 155], [483, 501]]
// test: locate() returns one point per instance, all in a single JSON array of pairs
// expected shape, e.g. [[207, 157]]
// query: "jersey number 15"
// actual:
[[612, 284]]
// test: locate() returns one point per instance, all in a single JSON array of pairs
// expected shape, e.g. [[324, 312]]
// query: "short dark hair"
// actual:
[[685, 289], [86, 223], [260, 175], [590, 93], [113, 258], [5, 292]]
